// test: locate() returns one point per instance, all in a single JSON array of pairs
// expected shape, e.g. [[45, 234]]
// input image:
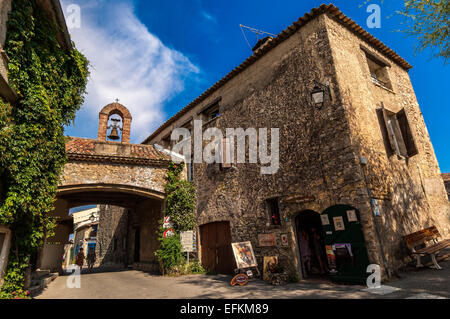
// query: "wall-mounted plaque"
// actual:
[[325, 219], [351, 216], [266, 240], [338, 223]]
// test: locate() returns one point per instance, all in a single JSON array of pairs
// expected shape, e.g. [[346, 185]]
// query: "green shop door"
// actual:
[[343, 232]]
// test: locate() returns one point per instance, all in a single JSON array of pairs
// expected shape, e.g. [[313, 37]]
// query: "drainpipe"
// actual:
[[377, 231]]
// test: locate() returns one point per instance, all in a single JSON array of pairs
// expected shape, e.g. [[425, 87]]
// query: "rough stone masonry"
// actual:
[[321, 148]]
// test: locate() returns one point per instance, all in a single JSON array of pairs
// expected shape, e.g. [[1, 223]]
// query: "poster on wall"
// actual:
[[266, 240], [325, 219], [338, 223], [284, 240], [243, 254], [269, 266], [351, 216]]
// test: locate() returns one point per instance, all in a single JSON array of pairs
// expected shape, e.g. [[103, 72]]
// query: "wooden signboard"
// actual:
[[187, 241], [266, 240]]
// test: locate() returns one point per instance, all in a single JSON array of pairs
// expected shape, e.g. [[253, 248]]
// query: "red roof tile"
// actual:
[[77, 147]]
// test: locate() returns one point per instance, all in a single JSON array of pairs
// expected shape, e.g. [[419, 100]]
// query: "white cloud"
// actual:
[[128, 62]]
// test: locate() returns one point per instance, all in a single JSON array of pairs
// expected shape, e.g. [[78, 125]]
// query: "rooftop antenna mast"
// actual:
[[255, 31]]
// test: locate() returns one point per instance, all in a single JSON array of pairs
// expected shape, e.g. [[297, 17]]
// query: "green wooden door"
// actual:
[[350, 269]]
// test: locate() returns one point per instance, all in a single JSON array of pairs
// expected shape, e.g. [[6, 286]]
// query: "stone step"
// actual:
[[37, 285], [40, 274]]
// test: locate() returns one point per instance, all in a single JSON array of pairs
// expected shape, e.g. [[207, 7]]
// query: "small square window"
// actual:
[[378, 72], [274, 211]]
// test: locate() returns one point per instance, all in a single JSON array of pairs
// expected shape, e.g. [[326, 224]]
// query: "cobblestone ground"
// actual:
[[131, 284]]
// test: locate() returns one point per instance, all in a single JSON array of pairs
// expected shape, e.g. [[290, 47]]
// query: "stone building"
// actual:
[[359, 164], [8, 94]]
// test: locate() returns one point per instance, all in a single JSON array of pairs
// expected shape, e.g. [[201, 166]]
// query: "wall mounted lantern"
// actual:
[[318, 93]]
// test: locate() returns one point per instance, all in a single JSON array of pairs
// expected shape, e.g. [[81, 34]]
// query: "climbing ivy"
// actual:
[[180, 199], [50, 82], [180, 208]]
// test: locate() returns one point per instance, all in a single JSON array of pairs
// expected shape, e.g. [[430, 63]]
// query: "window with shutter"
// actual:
[[226, 153], [396, 133], [405, 129]]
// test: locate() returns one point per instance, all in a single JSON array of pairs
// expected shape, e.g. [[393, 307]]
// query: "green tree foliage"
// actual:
[[169, 253], [50, 83], [180, 199], [181, 209], [428, 21]]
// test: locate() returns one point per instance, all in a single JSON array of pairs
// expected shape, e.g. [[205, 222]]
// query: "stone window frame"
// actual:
[[378, 69], [209, 109], [397, 133], [267, 203]]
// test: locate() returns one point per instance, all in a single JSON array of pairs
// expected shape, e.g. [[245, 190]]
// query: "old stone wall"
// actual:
[[320, 148], [111, 248], [5, 7], [317, 158], [144, 219], [410, 191], [85, 173]]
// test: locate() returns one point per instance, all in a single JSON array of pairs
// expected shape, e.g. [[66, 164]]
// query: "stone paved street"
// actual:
[[130, 284]]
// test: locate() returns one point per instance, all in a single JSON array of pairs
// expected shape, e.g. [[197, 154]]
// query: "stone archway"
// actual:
[[101, 172]]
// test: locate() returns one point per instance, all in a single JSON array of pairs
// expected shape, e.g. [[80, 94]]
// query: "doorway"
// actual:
[[217, 255], [311, 245]]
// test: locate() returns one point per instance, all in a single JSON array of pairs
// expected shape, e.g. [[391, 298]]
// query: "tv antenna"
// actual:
[[255, 31]]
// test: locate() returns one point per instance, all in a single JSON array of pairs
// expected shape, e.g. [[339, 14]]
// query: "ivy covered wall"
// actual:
[[51, 83]]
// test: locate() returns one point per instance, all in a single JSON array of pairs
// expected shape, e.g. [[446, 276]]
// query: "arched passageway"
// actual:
[[126, 227]]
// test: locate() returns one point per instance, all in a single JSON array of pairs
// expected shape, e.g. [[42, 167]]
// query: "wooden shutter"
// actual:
[[394, 135], [405, 129], [226, 162], [387, 135]]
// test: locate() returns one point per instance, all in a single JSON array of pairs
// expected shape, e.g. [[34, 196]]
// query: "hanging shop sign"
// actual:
[[338, 223], [325, 220], [239, 279], [169, 232], [266, 240], [243, 254], [284, 240], [187, 241], [351, 216]]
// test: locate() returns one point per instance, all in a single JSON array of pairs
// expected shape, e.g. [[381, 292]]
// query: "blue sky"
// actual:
[[157, 56]]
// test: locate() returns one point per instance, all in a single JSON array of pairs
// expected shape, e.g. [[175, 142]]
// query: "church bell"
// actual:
[[114, 134]]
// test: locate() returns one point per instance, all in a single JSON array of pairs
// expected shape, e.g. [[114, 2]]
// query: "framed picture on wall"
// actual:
[[338, 223]]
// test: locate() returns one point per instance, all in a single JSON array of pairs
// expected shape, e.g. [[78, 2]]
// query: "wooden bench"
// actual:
[[425, 236]]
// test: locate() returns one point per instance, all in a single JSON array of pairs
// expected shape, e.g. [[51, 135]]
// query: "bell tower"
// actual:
[[117, 126]]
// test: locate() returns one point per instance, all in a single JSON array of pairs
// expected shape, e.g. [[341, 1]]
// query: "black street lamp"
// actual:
[[318, 94]]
